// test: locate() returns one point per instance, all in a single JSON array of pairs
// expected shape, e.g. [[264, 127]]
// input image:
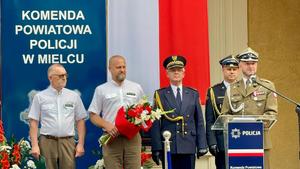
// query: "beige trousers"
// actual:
[[123, 153], [59, 153]]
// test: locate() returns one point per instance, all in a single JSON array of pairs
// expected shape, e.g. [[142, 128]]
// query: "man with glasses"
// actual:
[[58, 110], [185, 123], [247, 98]]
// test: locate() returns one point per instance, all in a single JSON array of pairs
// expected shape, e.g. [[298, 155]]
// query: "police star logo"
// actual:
[[235, 133]]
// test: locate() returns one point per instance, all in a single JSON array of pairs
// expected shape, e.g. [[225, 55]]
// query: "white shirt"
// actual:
[[174, 89], [110, 97], [57, 112], [226, 84]]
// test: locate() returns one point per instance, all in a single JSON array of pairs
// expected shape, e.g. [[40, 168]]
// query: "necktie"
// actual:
[[248, 82], [178, 97], [247, 85]]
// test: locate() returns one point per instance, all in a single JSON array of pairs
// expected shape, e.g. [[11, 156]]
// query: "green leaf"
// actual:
[[41, 163]]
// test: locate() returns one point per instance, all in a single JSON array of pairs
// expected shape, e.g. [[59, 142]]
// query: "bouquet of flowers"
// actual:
[[129, 121], [16, 155], [99, 165]]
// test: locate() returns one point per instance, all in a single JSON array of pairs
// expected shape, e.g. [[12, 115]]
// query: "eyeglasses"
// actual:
[[61, 76]]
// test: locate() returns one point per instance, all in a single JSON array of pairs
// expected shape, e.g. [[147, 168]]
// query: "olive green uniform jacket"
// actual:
[[257, 100]]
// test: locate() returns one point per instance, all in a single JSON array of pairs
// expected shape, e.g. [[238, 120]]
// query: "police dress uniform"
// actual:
[[214, 102], [212, 112], [186, 139], [185, 123], [252, 100]]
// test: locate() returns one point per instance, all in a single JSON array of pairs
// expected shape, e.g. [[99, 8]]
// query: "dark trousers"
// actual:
[[182, 161], [220, 160]]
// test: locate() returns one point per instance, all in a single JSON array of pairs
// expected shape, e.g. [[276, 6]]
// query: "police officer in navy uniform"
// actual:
[[247, 98], [185, 123], [214, 101]]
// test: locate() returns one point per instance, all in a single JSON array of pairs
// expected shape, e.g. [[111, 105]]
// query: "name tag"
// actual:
[[69, 105], [130, 94]]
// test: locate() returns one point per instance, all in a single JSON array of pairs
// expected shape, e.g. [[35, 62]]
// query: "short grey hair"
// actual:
[[55, 65]]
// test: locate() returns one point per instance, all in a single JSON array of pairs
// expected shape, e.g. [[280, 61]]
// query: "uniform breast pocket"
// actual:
[[236, 101], [259, 98], [111, 96], [48, 108], [69, 109], [219, 99], [130, 99], [260, 102], [236, 98]]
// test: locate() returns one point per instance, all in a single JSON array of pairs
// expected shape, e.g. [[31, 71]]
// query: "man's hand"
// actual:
[[79, 150], [201, 152], [213, 149], [111, 129], [155, 156], [35, 152]]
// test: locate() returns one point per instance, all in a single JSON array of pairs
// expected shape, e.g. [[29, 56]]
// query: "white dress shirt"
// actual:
[[226, 84], [57, 111], [174, 89]]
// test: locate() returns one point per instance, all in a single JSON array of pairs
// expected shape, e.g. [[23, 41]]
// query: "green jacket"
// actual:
[[257, 100]]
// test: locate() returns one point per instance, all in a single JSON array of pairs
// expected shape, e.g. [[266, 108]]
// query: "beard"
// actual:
[[121, 77]]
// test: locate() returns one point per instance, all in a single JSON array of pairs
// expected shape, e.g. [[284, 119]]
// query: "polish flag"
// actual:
[[148, 31]]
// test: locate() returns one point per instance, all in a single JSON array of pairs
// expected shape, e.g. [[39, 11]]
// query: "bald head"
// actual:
[[114, 58], [117, 68]]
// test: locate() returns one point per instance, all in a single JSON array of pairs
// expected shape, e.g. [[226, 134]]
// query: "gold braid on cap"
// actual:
[[177, 62], [213, 102], [178, 118]]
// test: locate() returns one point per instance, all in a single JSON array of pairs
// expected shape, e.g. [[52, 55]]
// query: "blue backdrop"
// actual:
[[23, 78]]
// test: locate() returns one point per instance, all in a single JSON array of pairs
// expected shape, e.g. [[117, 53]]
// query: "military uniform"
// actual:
[[252, 100], [211, 114], [184, 139], [214, 102], [256, 99], [186, 123]]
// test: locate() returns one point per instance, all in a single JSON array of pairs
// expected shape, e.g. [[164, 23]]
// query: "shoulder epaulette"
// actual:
[[218, 84], [161, 89], [192, 88], [265, 80], [237, 83]]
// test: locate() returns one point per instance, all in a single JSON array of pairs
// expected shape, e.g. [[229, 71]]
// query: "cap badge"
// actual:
[[174, 58]]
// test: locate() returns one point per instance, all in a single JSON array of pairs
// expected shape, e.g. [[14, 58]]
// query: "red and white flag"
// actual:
[[148, 31]]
